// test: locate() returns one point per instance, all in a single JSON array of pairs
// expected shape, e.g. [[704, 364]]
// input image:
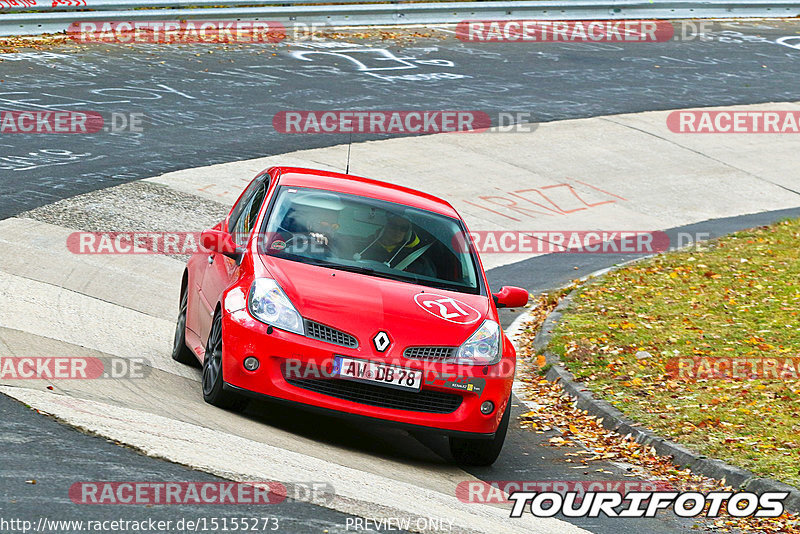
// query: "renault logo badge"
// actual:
[[381, 341]]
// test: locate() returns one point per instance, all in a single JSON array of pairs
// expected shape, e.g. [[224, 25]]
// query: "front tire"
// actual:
[[213, 393], [180, 352], [481, 452]]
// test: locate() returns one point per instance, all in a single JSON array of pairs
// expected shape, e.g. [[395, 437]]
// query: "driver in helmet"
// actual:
[[398, 246]]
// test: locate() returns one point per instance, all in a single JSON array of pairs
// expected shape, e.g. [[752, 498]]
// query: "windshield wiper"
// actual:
[[339, 266], [354, 269], [404, 277]]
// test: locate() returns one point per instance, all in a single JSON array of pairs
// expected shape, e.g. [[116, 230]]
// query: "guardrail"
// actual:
[[44, 18], [106, 5]]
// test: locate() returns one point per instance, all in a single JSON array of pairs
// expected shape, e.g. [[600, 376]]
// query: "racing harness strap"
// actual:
[[411, 258]]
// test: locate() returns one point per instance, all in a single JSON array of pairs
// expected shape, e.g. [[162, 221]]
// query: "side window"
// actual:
[[244, 225], [244, 201]]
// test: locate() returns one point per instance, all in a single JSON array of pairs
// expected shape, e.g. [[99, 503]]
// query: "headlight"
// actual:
[[482, 347], [269, 304]]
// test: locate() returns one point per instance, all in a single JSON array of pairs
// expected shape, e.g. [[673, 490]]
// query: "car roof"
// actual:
[[366, 187]]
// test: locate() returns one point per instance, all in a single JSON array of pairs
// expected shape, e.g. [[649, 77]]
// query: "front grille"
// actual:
[[381, 396], [330, 335], [430, 353]]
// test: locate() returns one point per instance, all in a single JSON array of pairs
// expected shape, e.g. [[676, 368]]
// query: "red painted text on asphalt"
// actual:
[[552, 31], [732, 368], [177, 493], [33, 3], [17, 3], [192, 31], [58, 122], [392, 122], [699, 121]]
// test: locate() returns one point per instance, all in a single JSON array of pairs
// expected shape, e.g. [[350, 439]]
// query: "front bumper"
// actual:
[[444, 385]]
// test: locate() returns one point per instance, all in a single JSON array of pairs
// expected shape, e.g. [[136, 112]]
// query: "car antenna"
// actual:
[[349, 144]]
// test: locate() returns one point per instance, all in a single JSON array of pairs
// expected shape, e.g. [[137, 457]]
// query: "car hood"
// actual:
[[363, 305]]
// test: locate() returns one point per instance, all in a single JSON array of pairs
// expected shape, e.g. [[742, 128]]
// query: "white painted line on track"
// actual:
[[53, 312], [357, 492]]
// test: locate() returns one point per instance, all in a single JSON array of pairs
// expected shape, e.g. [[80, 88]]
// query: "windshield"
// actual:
[[369, 236]]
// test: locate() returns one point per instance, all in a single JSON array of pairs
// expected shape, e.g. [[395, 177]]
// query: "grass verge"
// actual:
[[738, 298]]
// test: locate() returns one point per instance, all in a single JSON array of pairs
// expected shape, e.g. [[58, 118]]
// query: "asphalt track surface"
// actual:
[[42, 459], [209, 108], [204, 108]]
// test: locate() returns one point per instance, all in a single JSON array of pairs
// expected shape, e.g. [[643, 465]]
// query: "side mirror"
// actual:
[[222, 243], [510, 297]]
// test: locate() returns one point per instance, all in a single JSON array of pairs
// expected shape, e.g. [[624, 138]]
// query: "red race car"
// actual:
[[354, 297]]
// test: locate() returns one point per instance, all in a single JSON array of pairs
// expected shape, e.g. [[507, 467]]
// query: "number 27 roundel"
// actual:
[[447, 308]]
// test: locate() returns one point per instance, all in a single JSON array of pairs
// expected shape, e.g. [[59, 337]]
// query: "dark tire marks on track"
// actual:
[[207, 104]]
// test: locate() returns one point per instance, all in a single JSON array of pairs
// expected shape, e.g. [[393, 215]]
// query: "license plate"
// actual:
[[374, 372]]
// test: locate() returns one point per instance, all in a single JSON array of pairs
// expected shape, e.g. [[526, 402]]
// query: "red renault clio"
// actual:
[[354, 297]]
